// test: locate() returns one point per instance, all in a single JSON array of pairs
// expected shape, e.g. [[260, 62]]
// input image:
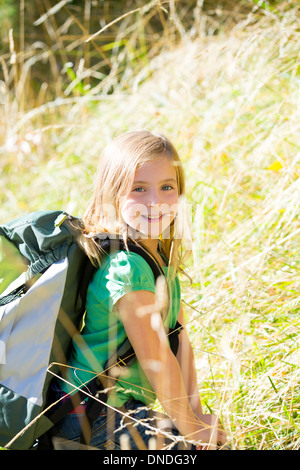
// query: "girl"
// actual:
[[137, 189]]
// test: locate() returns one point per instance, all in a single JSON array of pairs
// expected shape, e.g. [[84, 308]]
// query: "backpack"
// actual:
[[44, 276]]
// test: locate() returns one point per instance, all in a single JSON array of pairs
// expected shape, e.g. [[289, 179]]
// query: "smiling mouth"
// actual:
[[152, 218]]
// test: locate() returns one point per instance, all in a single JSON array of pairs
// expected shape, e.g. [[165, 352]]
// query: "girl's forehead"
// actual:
[[159, 165]]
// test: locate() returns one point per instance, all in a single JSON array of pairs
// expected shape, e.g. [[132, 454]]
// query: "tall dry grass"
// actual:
[[231, 104]]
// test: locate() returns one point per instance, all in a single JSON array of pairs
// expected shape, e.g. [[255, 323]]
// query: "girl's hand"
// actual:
[[212, 435]]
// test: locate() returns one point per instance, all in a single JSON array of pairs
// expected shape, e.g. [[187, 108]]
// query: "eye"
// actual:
[[138, 189], [167, 187]]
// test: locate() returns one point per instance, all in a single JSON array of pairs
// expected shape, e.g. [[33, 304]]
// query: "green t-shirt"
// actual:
[[103, 332]]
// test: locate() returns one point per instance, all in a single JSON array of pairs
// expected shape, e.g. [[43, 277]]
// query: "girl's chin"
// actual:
[[148, 227], [144, 232]]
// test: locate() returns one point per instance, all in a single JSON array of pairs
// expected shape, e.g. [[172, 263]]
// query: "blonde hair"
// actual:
[[114, 178]]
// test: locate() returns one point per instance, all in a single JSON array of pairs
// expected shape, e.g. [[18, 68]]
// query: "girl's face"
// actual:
[[152, 203]]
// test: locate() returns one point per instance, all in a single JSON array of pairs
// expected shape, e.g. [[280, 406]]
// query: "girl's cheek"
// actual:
[[131, 214]]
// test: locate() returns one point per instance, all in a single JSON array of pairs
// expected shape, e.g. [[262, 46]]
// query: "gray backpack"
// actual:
[[41, 305]]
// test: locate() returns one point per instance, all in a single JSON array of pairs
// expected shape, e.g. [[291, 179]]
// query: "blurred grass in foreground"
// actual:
[[231, 104]]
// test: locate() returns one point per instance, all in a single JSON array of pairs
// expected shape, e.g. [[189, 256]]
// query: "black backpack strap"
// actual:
[[88, 271], [93, 408], [173, 337]]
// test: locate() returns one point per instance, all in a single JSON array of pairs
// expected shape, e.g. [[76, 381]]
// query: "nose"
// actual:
[[153, 198]]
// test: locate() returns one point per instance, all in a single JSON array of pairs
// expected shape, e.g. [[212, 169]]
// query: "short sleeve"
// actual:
[[121, 273]]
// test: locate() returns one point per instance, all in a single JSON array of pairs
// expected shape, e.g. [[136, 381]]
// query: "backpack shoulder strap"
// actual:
[[110, 245]]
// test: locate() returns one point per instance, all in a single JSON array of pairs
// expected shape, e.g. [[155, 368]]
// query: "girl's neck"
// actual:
[[151, 245]]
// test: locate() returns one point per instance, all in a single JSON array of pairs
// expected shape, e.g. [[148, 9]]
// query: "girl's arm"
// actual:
[[145, 331]]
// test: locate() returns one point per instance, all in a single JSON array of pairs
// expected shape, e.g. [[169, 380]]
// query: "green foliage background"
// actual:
[[58, 39]]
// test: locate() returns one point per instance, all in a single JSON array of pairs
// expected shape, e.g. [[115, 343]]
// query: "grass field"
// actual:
[[231, 104]]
